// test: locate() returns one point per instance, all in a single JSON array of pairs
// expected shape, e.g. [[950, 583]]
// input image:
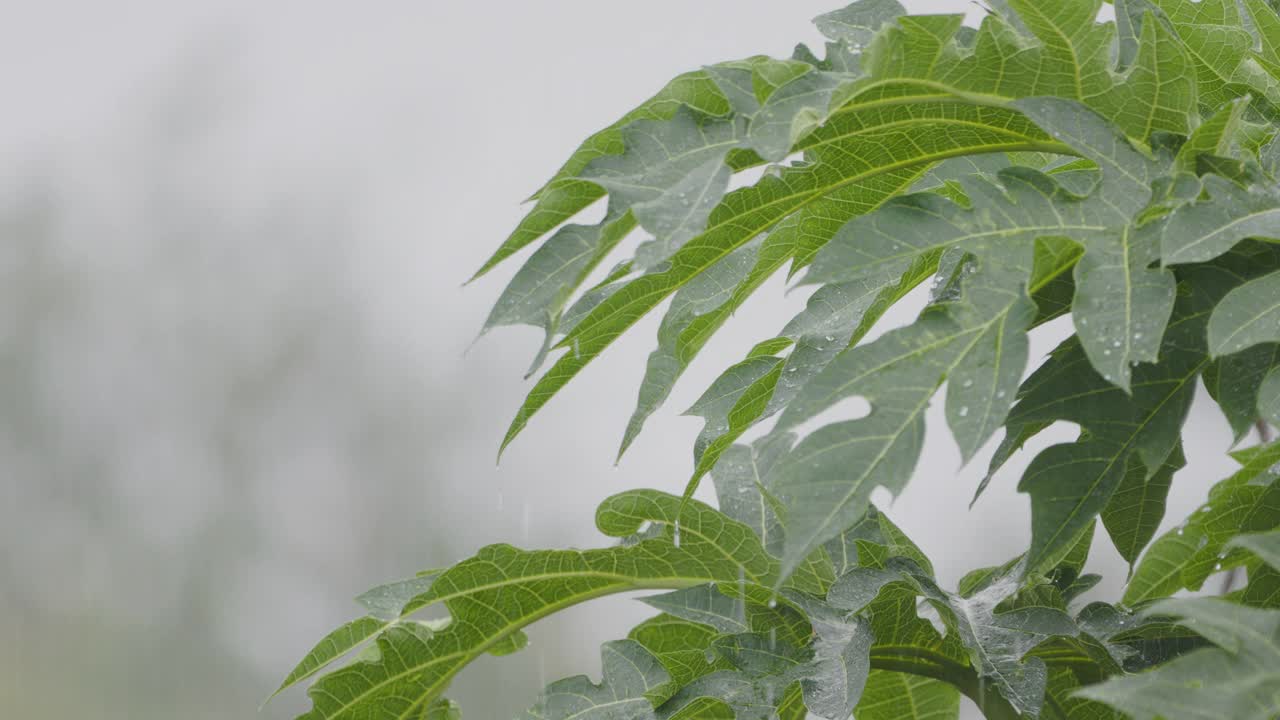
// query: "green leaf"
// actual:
[[918, 73], [671, 175], [384, 604], [540, 289], [1237, 679], [634, 682], [977, 342], [1135, 510], [802, 102], [1247, 316], [1263, 589], [698, 308], [681, 646], [836, 316], [755, 689], [1060, 695], [858, 144], [566, 194], [1214, 137], [1205, 229], [729, 406], [1071, 483], [706, 605], [503, 589], [857, 23], [1269, 394], [1159, 91], [1121, 307], [1184, 557], [387, 601], [998, 631], [833, 680], [334, 645], [1265, 545], [830, 673], [1237, 382], [737, 478], [559, 200], [878, 530]]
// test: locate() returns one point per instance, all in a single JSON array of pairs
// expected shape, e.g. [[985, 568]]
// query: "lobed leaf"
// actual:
[[1237, 679], [502, 589], [634, 682], [1184, 557]]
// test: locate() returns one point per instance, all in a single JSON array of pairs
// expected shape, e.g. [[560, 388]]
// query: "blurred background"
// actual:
[[233, 389]]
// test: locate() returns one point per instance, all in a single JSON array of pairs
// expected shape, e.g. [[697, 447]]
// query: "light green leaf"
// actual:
[[1269, 157], [922, 72], [1159, 92], [1129, 26], [634, 682], [681, 646], [898, 696], [1267, 24], [1213, 33]]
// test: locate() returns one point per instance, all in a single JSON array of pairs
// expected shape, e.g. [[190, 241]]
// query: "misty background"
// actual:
[[233, 389]]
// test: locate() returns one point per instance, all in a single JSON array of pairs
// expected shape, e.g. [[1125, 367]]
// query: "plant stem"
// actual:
[[989, 700]]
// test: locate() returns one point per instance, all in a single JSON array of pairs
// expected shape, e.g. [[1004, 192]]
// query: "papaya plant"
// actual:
[[1119, 174]]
